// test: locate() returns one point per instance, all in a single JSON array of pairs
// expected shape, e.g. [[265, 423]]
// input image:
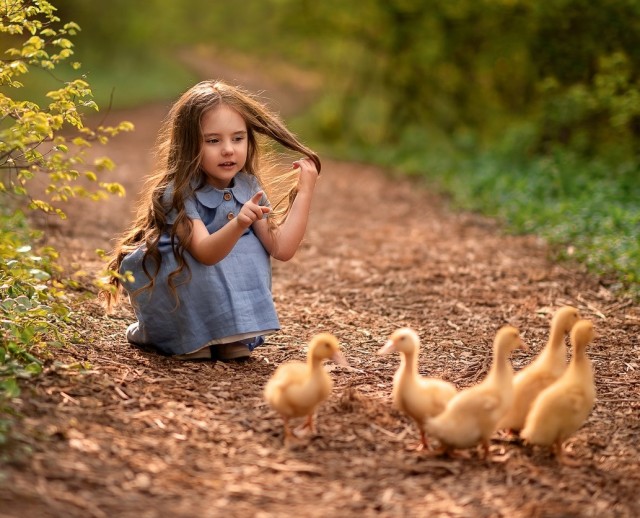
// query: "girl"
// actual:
[[196, 261]]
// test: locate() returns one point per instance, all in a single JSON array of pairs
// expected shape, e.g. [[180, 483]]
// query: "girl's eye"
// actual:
[[212, 141], [238, 138]]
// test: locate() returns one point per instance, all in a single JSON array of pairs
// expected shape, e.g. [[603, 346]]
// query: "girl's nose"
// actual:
[[227, 148]]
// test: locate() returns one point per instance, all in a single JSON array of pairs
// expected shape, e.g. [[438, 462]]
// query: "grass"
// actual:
[[589, 208]]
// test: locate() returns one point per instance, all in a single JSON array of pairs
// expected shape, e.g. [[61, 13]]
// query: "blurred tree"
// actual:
[[567, 69]]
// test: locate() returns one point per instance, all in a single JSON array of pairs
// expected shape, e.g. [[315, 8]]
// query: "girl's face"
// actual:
[[224, 151]]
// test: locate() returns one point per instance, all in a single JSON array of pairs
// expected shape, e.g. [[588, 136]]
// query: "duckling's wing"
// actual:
[[285, 378], [477, 399], [434, 394], [570, 407], [455, 426], [558, 412]]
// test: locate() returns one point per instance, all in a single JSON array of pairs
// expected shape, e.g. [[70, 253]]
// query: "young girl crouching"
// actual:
[[196, 262]]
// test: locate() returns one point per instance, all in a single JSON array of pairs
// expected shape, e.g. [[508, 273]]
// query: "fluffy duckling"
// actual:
[[561, 409], [472, 416], [296, 389], [416, 396], [541, 372]]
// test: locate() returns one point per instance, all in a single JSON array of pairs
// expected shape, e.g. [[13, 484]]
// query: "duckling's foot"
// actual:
[[417, 447], [562, 458], [302, 431], [448, 452], [307, 428], [508, 435]]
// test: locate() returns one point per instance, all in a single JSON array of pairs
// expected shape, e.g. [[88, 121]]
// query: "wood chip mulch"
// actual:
[[115, 430]]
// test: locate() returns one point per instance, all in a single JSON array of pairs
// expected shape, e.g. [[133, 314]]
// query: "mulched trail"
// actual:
[[114, 430]]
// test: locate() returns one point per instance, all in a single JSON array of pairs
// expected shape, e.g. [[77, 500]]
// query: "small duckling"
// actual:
[[472, 416], [541, 372], [296, 389], [416, 396], [562, 408]]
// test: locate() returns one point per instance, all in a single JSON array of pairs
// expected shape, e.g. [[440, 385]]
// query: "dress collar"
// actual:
[[241, 190]]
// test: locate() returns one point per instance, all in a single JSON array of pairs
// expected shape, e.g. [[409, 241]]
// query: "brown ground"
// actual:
[[142, 435]]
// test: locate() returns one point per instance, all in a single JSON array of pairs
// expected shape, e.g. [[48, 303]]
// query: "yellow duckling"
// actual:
[[561, 409], [472, 416], [296, 388], [541, 372], [416, 396]]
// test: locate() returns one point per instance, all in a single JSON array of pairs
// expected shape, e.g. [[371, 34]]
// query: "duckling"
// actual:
[[472, 416], [416, 396], [296, 388], [541, 372], [562, 408]]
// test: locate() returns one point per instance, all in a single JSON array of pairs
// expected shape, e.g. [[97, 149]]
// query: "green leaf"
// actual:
[[10, 388]]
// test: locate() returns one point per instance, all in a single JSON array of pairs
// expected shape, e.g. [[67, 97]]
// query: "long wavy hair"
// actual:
[[179, 156]]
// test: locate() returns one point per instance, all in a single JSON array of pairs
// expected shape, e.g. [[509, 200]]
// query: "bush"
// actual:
[[39, 146]]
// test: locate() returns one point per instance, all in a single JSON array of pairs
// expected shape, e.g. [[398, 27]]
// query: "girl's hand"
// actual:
[[308, 174], [251, 211]]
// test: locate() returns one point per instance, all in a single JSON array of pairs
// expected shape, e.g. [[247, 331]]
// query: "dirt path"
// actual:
[[141, 435]]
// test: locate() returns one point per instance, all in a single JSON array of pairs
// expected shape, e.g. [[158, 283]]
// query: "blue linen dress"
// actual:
[[230, 298]]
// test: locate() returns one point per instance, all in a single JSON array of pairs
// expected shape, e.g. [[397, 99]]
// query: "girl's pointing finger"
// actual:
[[257, 197]]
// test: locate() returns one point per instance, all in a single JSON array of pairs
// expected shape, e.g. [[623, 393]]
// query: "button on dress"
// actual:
[[230, 298]]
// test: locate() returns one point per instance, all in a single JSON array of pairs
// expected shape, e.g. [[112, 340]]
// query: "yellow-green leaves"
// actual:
[[32, 142], [40, 146]]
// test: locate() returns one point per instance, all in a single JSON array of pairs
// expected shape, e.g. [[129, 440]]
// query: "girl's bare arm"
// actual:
[[284, 241], [212, 248]]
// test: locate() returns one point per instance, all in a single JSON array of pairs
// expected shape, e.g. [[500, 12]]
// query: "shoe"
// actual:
[[133, 334], [203, 354], [232, 351]]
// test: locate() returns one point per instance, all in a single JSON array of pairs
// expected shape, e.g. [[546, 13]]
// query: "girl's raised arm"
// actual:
[[283, 243]]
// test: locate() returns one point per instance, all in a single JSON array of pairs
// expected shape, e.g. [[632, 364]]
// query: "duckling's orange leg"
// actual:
[[307, 425], [287, 429], [424, 442], [485, 449], [310, 423]]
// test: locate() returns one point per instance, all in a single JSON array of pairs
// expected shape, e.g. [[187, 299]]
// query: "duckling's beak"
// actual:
[[387, 348], [339, 358]]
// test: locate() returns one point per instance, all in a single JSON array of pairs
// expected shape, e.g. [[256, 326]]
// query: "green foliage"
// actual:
[[33, 146], [589, 208], [42, 165]]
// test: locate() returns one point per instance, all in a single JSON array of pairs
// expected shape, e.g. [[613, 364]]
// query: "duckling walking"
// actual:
[[416, 396], [561, 409], [296, 388], [541, 372], [472, 416]]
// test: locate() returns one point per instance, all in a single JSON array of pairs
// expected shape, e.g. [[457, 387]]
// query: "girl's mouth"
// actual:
[[227, 164]]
